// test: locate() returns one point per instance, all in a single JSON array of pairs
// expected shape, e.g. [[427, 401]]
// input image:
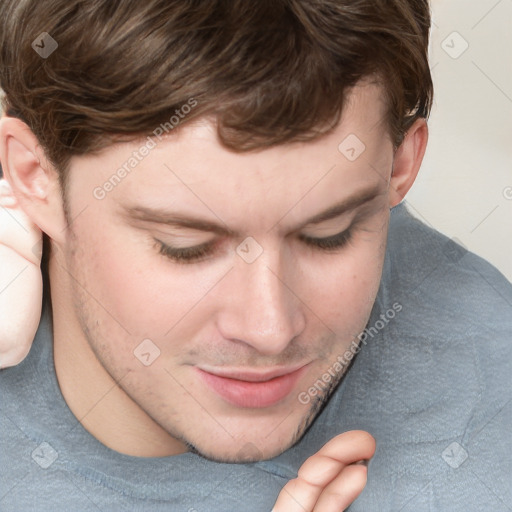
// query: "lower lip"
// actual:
[[253, 394]]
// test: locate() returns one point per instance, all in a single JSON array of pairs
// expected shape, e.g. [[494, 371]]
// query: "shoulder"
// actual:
[[432, 382], [26, 405], [436, 274], [453, 334]]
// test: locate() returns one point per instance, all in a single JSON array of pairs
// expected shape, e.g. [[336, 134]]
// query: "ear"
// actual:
[[407, 161], [33, 180]]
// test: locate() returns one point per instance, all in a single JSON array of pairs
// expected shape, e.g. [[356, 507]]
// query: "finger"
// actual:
[[297, 496], [345, 448], [302, 493], [18, 325], [19, 233], [5, 188], [343, 485], [343, 490], [319, 469], [7, 198], [329, 462], [8, 201]]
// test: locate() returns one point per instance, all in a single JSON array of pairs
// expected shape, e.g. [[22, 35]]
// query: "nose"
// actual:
[[262, 309]]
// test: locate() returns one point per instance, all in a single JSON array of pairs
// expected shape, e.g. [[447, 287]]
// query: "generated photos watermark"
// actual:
[[343, 360], [144, 150]]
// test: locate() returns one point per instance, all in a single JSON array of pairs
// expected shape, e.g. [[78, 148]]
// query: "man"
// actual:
[[215, 184]]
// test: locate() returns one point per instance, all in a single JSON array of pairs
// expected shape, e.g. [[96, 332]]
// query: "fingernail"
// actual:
[[8, 201], [5, 188]]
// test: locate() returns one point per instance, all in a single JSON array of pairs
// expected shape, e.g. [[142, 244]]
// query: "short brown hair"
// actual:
[[268, 71]]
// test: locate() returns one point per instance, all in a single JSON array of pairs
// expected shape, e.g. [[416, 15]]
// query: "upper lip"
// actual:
[[251, 376]]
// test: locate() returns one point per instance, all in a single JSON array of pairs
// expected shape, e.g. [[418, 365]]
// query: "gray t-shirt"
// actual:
[[432, 383]]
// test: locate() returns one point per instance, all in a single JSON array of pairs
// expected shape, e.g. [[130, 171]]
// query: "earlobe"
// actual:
[[33, 181], [407, 161]]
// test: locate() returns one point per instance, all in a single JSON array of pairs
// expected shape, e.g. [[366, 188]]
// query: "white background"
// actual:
[[463, 185]]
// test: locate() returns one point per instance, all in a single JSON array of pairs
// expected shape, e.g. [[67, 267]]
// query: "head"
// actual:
[[179, 157]]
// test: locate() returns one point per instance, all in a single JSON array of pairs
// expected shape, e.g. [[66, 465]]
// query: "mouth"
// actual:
[[251, 389]]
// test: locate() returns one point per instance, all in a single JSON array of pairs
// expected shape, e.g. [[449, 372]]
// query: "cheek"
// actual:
[[118, 272], [345, 285], [122, 276], [135, 286]]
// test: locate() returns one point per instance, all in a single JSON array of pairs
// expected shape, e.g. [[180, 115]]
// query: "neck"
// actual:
[[93, 396]]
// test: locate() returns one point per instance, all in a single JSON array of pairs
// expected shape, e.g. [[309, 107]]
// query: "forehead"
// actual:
[[364, 114], [192, 169]]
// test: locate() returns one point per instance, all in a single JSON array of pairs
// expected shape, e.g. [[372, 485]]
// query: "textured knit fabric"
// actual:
[[432, 383]]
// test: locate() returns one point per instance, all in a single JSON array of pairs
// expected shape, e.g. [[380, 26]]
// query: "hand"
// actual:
[[331, 479], [17, 231], [20, 279]]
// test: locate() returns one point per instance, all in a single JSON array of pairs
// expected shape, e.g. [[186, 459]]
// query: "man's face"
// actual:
[[265, 299]]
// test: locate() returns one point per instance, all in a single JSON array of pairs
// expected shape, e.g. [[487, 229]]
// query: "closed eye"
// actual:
[[329, 243], [201, 252], [184, 254]]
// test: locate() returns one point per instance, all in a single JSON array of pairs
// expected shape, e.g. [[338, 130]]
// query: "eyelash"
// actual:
[[196, 254], [330, 243], [188, 255]]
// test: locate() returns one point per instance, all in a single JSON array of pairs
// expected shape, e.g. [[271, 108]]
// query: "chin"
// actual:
[[243, 448], [241, 454]]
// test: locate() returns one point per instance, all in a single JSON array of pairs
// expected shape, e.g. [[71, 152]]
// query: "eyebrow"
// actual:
[[161, 216]]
